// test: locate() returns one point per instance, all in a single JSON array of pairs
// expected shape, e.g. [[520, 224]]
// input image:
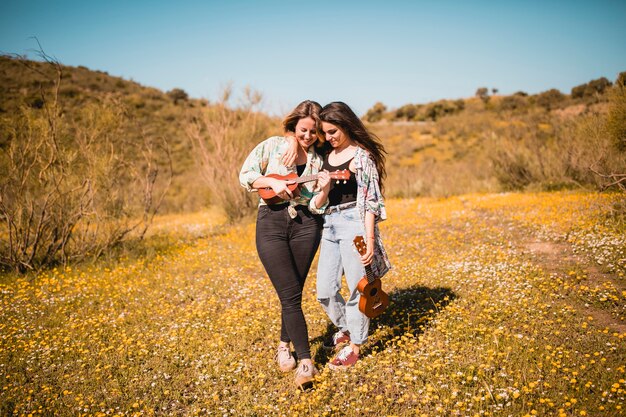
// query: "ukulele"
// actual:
[[373, 299], [270, 197]]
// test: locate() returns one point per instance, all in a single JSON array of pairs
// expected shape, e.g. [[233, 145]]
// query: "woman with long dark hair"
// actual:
[[354, 208]]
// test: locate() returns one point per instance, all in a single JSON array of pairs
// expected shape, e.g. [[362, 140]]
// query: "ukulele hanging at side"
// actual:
[[373, 299]]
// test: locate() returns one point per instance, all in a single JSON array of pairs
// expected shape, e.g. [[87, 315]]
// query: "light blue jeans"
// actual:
[[338, 256]]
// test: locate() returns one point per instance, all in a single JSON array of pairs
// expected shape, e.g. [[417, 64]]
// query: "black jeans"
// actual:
[[287, 247]]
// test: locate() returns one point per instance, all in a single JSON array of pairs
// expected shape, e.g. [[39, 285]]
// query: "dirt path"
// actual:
[[559, 258]]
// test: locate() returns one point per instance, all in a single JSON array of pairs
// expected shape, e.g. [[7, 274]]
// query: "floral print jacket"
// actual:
[[369, 198]]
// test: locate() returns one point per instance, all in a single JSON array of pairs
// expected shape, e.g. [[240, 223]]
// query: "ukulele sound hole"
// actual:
[[373, 292]]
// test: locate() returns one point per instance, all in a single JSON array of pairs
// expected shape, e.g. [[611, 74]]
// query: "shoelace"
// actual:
[[344, 353], [303, 369], [336, 337], [283, 349]]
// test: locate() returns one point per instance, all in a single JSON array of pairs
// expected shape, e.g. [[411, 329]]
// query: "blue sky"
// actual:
[[360, 52]]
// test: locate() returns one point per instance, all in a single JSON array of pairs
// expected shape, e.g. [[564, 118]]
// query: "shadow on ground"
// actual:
[[410, 311]]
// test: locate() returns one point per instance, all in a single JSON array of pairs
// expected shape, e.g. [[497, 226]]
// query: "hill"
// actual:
[[149, 113], [493, 143], [483, 143], [87, 159]]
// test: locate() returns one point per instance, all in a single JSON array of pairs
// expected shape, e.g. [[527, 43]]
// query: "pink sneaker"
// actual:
[[344, 359]]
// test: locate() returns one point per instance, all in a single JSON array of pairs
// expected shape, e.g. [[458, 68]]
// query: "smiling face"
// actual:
[[335, 136], [306, 132]]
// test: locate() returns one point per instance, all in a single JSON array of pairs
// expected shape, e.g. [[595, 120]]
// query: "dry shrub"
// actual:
[[70, 186], [433, 178], [437, 159], [556, 153], [611, 169], [616, 119], [487, 152], [222, 138]]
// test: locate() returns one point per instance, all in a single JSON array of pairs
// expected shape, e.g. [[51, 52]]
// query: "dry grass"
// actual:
[[479, 325], [489, 150]]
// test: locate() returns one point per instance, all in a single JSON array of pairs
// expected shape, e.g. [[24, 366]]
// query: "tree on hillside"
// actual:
[[375, 114], [513, 102], [483, 94], [592, 89], [598, 86], [579, 91], [442, 108], [407, 112], [178, 94], [549, 99]]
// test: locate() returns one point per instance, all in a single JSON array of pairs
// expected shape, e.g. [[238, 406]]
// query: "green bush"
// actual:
[[178, 94], [579, 91], [407, 112], [597, 87], [514, 102], [434, 111], [550, 99], [375, 114]]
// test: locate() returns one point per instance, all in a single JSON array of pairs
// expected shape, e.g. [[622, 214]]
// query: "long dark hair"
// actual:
[[342, 116]]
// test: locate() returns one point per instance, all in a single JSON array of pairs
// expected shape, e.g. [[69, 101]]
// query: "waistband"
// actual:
[[283, 206], [339, 207]]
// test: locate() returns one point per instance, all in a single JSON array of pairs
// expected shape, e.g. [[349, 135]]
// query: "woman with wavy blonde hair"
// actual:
[[288, 231]]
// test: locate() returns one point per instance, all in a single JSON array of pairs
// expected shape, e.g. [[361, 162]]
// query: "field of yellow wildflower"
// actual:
[[502, 305]]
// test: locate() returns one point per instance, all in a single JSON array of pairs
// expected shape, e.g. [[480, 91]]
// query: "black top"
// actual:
[[300, 169], [341, 193]]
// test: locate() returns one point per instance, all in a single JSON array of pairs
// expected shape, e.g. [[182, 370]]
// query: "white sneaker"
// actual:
[[305, 375], [286, 362], [337, 340]]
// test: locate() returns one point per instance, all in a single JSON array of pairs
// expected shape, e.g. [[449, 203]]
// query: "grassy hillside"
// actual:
[[494, 143], [484, 143], [149, 113], [86, 159]]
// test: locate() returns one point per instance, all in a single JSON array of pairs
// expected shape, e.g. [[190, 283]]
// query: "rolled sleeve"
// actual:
[[316, 210], [254, 166], [247, 178]]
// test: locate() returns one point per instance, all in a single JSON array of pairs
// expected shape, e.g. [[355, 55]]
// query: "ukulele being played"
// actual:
[[373, 299], [270, 197]]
